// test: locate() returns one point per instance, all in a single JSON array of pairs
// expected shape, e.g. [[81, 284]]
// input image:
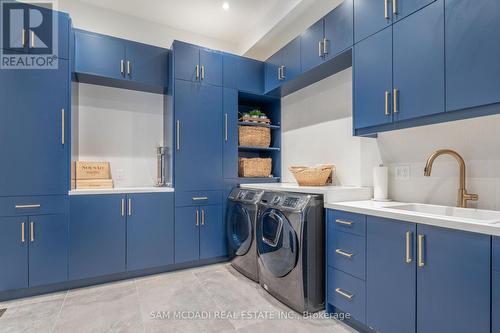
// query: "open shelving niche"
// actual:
[[271, 106]]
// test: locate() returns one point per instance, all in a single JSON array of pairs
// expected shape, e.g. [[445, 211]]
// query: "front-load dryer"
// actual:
[[290, 247], [241, 218]]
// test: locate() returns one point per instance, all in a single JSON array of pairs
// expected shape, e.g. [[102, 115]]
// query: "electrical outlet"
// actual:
[[120, 174], [402, 172]]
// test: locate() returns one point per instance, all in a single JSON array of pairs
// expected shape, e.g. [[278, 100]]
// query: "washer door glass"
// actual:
[[239, 230], [276, 243]]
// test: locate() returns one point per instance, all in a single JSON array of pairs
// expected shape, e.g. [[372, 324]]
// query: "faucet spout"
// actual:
[[463, 196]]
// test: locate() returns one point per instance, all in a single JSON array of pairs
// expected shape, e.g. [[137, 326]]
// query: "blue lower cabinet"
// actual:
[[453, 281], [97, 235], [346, 252], [346, 293], [187, 234], [13, 253], [150, 230], [495, 311], [212, 233], [48, 249], [390, 275]]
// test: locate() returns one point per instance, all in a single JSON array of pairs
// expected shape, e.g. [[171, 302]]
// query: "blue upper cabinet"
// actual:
[[338, 30], [472, 53], [373, 80], [13, 253], [198, 137], [284, 65], [371, 16], [273, 71], [390, 265], [418, 64], [34, 126], [230, 150], [150, 230], [403, 8], [194, 63], [111, 61], [244, 74], [453, 281], [311, 46]]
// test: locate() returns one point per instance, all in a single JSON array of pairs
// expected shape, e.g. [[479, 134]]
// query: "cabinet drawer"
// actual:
[[198, 198], [36, 205], [346, 293], [496, 254], [347, 252], [347, 222]]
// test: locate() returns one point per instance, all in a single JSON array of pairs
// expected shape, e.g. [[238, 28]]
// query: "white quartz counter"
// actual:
[[387, 210], [331, 193], [121, 190]]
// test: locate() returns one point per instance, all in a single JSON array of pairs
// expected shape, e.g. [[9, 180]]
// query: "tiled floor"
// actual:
[[143, 304]]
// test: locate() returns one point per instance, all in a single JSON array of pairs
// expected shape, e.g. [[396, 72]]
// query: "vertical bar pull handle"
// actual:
[[386, 9], [197, 70], [197, 217], [279, 73], [283, 72], [325, 46], [421, 240], [122, 67], [123, 207], [129, 209], [32, 231], [32, 39], [395, 7], [320, 49], [408, 256], [202, 217], [225, 127], [63, 134], [23, 37], [395, 100], [23, 232], [129, 68], [178, 135], [387, 95], [203, 72]]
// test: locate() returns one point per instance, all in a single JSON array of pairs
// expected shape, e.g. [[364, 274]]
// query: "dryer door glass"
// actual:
[[239, 230], [276, 243]]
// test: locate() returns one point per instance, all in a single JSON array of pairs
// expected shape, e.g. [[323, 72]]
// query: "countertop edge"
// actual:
[[122, 190]]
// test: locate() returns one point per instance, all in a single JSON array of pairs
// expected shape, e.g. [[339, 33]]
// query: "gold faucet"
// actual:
[[463, 196]]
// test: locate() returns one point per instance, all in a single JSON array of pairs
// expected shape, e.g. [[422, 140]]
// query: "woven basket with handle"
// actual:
[[319, 175], [255, 167], [256, 136]]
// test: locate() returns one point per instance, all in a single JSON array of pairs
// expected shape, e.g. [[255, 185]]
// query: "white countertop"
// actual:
[[383, 209], [331, 193], [121, 190]]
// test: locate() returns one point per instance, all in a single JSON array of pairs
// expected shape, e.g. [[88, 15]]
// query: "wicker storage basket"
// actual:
[[255, 167], [255, 136], [316, 176]]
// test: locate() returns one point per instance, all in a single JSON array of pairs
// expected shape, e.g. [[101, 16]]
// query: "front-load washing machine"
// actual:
[[241, 217], [290, 246]]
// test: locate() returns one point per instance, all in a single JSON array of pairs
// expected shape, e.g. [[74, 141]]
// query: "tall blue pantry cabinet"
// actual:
[[34, 145]]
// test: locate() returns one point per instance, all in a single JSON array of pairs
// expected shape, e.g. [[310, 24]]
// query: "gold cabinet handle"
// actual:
[[200, 198], [395, 7], [197, 70], [326, 43], [129, 209], [32, 231], [129, 68], [122, 67], [344, 253], [23, 232], [123, 207], [225, 127], [395, 96], [387, 95], [63, 134], [421, 240], [23, 37], [178, 135], [386, 9], [344, 222], [28, 206], [344, 294], [202, 217], [197, 217], [32, 39], [408, 256]]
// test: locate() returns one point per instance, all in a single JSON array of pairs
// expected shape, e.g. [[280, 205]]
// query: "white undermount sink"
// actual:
[[480, 216]]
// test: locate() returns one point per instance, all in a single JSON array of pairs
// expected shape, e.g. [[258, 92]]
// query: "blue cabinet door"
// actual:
[[273, 78], [453, 285], [213, 242], [230, 153], [146, 64], [250, 75], [97, 235], [495, 298], [187, 234], [407, 7], [339, 29], [418, 63], [13, 253], [186, 58], [150, 230], [311, 53], [99, 55], [48, 249], [198, 155], [390, 268], [472, 53], [370, 17], [31, 129], [291, 60], [211, 67], [373, 80]]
